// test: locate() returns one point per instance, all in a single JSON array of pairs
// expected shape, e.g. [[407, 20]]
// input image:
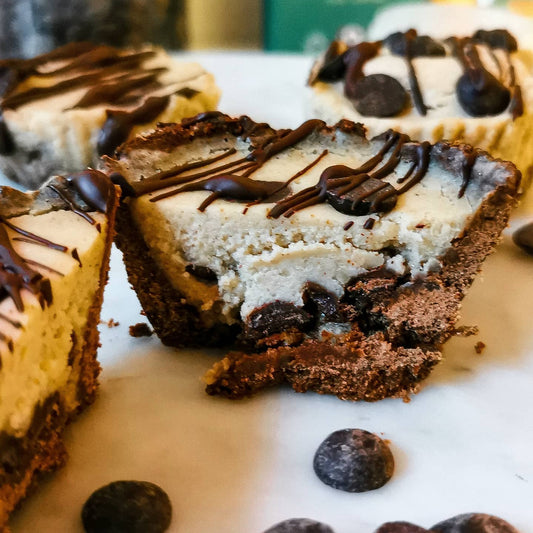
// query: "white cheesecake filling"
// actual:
[[69, 136], [259, 260], [445, 119], [37, 366]]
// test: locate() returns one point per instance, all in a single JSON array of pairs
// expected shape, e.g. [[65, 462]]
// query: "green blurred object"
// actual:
[[309, 25]]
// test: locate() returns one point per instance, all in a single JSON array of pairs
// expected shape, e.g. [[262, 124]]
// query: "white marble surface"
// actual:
[[462, 444]]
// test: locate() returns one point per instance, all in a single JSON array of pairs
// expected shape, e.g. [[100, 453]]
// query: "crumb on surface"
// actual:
[[466, 331], [111, 323], [479, 347], [142, 329]]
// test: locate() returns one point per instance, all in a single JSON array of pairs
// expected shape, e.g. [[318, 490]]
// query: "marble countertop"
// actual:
[[463, 444]]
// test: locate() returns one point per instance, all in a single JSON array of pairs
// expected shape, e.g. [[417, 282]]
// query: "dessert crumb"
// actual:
[[111, 323], [466, 331], [141, 330], [479, 347]]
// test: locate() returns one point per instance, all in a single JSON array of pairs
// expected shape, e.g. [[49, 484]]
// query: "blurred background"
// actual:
[[29, 27]]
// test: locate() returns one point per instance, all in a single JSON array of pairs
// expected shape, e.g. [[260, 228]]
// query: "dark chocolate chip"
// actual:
[[320, 302], [421, 45], [276, 317], [473, 523], [497, 39], [400, 527], [354, 460], [379, 95], [300, 525], [201, 272], [523, 237], [481, 94], [371, 196], [127, 507], [334, 65]]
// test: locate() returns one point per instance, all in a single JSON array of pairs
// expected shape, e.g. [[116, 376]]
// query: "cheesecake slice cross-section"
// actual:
[[54, 259], [330, 261]]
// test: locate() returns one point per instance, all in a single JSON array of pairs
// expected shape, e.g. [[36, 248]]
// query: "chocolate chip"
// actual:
[[201, 272], [523, 237], [300, 525], [421, 45], [320, 302], [379, 95], [400, 527], [370, 196], [127, 507], [497, 39], [334, 65], [473, 523], [481, 94], [276, 317], [354, 460]]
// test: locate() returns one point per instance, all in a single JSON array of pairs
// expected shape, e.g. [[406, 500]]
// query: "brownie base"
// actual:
[[42, 450]]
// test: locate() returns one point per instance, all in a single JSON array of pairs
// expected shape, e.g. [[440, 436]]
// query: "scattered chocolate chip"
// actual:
[[127, 507], [497, 39], [348, 225], [473, 523], [523, 237], [371, 196], [400, 527], [481, 94], [369, 223], [421, 45], [142, 329], [379, 95], [354, 460], [300, 525]]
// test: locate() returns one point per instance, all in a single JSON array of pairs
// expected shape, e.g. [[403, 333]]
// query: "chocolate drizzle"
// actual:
[[228, 184], [119, 124], [379, 95], [16, 273]]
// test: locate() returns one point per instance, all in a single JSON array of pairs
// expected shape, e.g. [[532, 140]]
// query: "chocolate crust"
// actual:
[[44, 449], [398, 324]]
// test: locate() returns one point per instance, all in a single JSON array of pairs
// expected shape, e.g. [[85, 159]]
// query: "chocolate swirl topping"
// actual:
[[479, 92]]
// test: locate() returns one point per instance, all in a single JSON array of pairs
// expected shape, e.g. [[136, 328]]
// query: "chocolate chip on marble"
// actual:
[[481, 94], [523, 237], [370, 196], [497, 39], [127, 507], [473, 523], [379, 95], [420, 45], [354, 460], [400, 527], [300, 525]]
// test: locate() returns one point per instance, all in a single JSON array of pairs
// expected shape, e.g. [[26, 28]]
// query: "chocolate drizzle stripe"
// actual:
[[14, 323], [190, 166], [7, 340], [467, 166], [252, 162], [31, 237], [44, 267], [16, 275], [71, 205]]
